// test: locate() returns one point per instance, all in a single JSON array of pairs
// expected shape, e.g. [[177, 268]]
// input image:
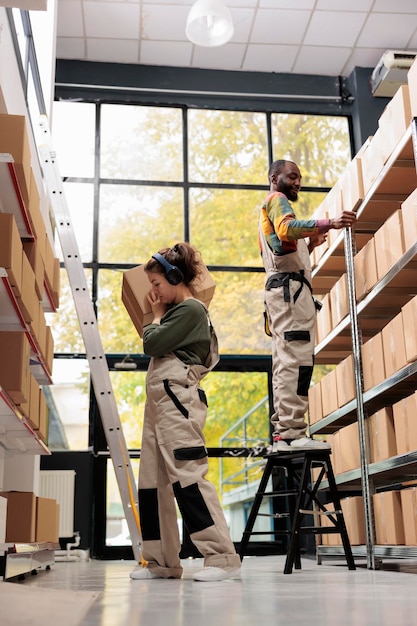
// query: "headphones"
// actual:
[[172, 273]]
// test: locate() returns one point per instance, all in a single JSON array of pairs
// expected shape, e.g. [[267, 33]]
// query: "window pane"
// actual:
[[64, 322], [227, 147], [320, 145], [141, 143], [224, 225], [73, 131], [68, 403], [137, 221], [80, 201], [237, 313]]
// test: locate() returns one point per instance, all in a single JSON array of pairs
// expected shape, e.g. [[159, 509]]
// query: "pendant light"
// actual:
[[209, 23]]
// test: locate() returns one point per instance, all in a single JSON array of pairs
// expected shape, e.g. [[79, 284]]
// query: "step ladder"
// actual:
[[301, 495], [99, 371]]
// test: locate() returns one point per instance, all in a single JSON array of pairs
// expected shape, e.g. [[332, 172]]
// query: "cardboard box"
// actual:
[[372, 158], [32, 252], [366, 274], [14, 373], [323, 320], [389, 243], [345, 381], [136, 286], [350, 457], [47, 520], [388, 518], [352, 185], [382, 435], [14, 140], [354, 514], [329, 393], [395, 120], [315, 408], [409, 315], [393, 343], [28, 300], [11, 251], [373, 365], [405, 424], [339, 300], [31, 408], [43, 417], [3, 518], [409, 217], [21, 516], [412, 84], [409, 509]]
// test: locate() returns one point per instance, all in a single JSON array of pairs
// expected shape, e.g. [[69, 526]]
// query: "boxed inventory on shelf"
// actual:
[[329, 393], [3, 517], [373, 365], [31, 518], [339, 300], [345, 381], [315, 407], [366, 275], [395, 120], [409, 510], [28, 300], [409, 217], [405, 423], [348, 448], [409, 315], [354, 515], [14, 373], [382, 435], [393, 344], [389, 243], [136, 286], [352, 185], [11, 251], [14, 140], [389, 525]]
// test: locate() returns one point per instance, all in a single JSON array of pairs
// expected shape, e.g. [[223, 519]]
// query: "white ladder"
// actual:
[[99, 371]]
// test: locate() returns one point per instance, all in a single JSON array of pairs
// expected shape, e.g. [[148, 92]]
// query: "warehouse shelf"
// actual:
[[381, 552], [11, 318], [16, 433], [395, 182], [11, 200]]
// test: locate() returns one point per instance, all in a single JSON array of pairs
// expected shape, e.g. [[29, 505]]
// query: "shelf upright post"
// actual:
[[99, 371], [367, 488]]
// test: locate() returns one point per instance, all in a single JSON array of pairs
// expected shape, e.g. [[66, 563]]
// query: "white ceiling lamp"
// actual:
[[209, 23]]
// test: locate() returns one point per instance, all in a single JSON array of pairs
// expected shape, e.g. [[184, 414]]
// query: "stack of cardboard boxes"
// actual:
[[390, 333], [29, 271]]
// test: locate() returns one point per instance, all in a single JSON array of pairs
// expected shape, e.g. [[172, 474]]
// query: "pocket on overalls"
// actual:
[[175, 400]]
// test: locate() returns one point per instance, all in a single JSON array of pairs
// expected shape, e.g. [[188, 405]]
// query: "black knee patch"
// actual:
[[305, 372], [190, 454], [148, 501], [193, 508], [297, 335]]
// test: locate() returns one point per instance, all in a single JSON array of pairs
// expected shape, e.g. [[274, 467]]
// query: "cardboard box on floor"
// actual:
[[136, 286]]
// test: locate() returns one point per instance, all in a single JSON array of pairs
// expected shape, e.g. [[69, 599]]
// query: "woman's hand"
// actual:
[[158, 307]]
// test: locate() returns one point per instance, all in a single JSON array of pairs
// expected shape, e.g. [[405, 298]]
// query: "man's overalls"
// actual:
[[174, 463], [291, 315]]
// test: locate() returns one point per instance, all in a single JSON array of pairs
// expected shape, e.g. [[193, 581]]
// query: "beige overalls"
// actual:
[[173, 462], [291, 314]]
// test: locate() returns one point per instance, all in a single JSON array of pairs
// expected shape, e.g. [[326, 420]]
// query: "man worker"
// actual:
[[289, 304]]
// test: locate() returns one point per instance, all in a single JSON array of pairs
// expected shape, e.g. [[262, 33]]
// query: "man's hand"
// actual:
[[316, 240], [344, 220]]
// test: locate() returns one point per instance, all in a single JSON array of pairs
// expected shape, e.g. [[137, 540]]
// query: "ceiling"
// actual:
[[324, 37]]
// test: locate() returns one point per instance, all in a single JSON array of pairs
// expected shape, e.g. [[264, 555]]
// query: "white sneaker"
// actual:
[[209, 574], [278, 445], [307, 443], [143, 573]]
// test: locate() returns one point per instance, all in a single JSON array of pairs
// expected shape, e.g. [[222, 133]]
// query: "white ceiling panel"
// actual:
[[327, 37]]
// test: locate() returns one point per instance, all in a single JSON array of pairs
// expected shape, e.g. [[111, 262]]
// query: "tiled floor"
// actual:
[[325, 595]]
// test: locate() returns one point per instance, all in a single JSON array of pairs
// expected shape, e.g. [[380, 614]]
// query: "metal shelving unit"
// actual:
[[396, 181]]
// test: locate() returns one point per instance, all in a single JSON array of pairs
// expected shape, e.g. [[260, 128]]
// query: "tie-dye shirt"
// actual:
[[280, 226]]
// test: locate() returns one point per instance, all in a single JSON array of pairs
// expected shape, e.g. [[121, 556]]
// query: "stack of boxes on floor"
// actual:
[[30, 272], [389, 230]]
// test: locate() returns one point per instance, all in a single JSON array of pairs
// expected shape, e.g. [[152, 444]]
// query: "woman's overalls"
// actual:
[[173, 462], [291, 314]]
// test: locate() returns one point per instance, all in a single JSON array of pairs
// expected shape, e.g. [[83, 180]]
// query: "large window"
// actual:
[[140, 178]]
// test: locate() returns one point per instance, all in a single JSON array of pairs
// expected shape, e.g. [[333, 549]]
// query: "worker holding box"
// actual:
[[289, 305], [173, 464]]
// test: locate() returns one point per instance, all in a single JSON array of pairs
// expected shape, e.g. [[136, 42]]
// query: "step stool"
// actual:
[[301, 494]]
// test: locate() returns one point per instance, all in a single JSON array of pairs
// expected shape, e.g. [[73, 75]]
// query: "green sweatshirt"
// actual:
[[184, 330]]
